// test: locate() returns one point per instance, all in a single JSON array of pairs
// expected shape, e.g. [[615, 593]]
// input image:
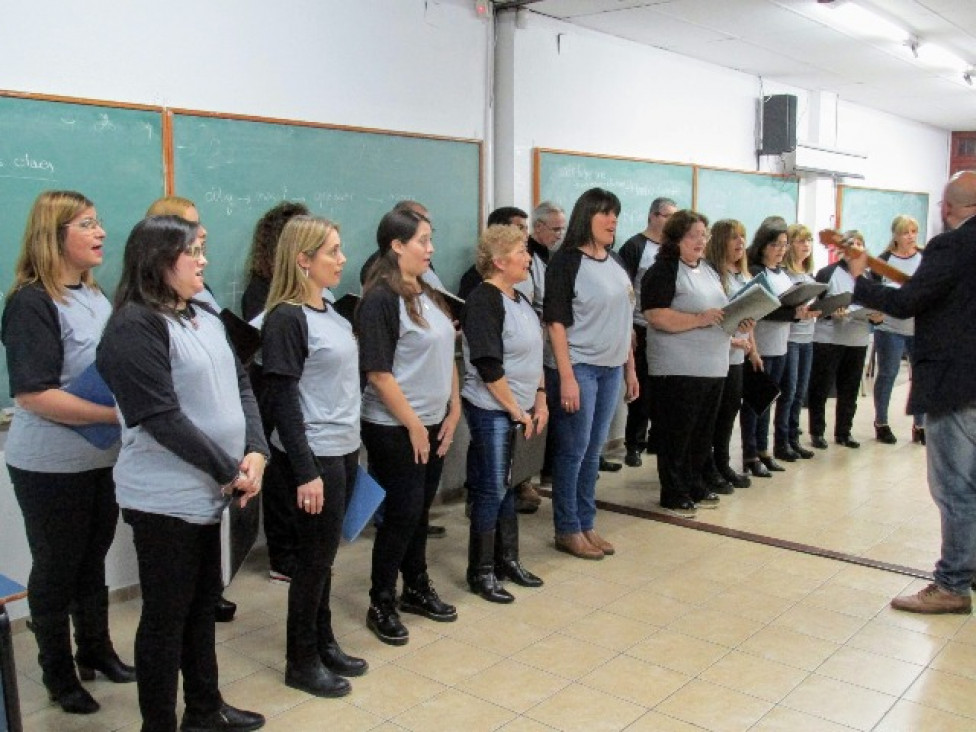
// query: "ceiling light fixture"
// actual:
[[861, 21]]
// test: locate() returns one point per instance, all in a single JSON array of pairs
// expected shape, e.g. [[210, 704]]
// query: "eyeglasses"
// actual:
[[88, 224], [196, 250], [664, 216], [778, 244]]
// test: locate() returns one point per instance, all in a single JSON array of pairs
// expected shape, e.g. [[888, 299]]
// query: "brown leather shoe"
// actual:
[[577, 545], [599, 542], [527, 499], [933, 600]]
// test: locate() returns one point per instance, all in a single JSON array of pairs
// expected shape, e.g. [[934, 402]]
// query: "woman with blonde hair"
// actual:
[[503, 388], [312, 379], [52, 321], [726, 253], [798, 264], [895, 337]]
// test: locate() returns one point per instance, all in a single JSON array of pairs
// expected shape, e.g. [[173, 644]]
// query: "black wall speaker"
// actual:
[[778, 124]]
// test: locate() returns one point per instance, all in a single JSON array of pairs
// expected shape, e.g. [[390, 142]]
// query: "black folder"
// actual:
[[244, 337], [759, 390]]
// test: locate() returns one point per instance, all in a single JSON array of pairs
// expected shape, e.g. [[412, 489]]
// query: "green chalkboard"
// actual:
[[871, 211], [236, 169], [562, 176], [112, 155], [746, 197]]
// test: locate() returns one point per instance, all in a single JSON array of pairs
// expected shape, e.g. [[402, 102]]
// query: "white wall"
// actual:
[[412, 65]]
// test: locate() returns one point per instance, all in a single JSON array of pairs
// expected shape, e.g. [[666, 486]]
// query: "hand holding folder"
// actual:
[[90, 386]]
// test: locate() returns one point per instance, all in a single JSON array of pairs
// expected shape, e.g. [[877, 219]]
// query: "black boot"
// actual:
[[333, 657], [95, 650], [53, 635], [481, 572], [420, 597], [507, 564], [382, 618], [305, 670]]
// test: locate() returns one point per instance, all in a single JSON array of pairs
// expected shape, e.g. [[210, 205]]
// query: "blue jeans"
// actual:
[[796, 378], [753, 427], [890, 347], [952, 482], [489, 454], [579, 439]]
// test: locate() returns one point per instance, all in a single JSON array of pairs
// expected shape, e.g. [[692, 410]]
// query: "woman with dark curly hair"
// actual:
[[687, 357]]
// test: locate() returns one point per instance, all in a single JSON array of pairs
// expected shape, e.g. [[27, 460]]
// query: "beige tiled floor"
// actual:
[[681, 630]]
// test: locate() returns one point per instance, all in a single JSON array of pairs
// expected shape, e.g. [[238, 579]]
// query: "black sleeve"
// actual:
[[284, 340], [133, 358], [254, 440], [557, 304], [482, 322], [658, 285], [378, 329], [31, 333], [630, 254], [469, 280], [254, 297], [824, 275], [285, 404]]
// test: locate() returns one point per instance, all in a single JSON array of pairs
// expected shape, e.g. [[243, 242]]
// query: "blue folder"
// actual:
[[90, 385], [367, 496]]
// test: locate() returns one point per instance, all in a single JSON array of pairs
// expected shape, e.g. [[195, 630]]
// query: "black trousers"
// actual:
[[179, 571], [834, 365], [278, 508], [728, 409], [401, 539], [684, 409], [309, 615], [70, 520], [639, 410]]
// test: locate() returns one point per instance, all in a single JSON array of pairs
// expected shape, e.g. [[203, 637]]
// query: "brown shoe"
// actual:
[[527, 499], [577, 545], [599, 542], [933, 600]]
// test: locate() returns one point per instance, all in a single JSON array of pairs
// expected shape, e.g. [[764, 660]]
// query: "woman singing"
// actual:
[[191, 437]]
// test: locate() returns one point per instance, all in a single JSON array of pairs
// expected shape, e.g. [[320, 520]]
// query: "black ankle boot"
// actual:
[[801, 450], [383, 619], [95, 650], [481, 571], [314, 678], [53, 635], [420, 597], [507, 563], [339, 662]]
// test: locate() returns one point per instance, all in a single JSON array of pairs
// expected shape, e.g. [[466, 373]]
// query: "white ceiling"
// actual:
[[790, 41]]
